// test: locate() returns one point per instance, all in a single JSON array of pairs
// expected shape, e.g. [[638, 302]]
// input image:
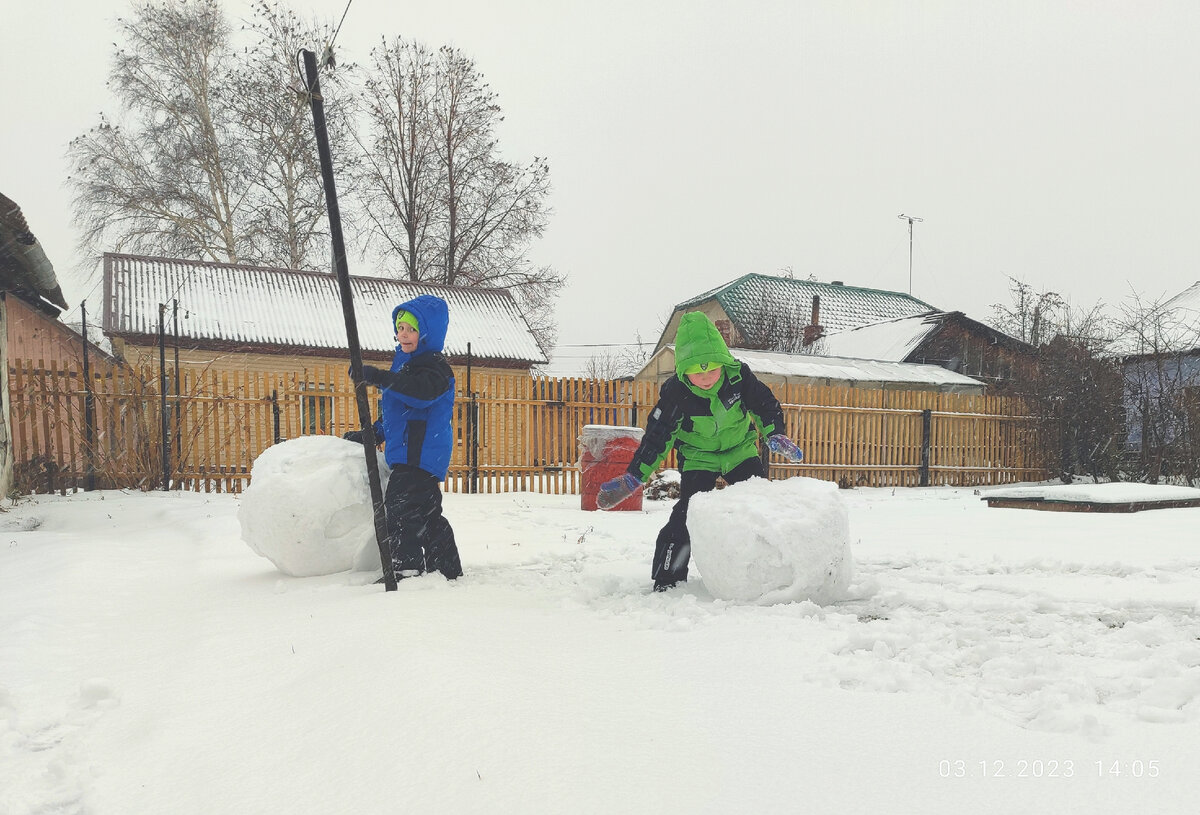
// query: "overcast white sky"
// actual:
[[691, 142]]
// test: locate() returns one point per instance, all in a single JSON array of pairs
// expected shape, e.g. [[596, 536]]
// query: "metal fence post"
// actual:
[[926, 444]]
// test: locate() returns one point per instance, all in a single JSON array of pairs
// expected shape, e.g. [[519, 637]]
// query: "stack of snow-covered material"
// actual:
[[772, 541], [1113, 496]]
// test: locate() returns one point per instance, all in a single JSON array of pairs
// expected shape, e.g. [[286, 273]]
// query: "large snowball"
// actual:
[[772, 541], [308, 507]]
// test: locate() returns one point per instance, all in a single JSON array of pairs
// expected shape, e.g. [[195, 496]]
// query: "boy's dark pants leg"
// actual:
[[419, 535], [673, 549]]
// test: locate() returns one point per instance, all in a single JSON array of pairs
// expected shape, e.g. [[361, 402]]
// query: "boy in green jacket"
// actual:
[[712, 412]]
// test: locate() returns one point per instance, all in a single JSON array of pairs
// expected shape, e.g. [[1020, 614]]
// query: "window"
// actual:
[[316, 410]]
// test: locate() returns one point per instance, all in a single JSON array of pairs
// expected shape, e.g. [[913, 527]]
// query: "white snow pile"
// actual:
[[308, 507], [773, 541]]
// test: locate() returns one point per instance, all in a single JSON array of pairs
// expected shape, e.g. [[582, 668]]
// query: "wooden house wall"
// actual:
[[33, 334], [977, 355]]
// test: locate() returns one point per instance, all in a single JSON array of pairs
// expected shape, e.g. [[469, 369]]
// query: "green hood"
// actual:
[[697, 341]]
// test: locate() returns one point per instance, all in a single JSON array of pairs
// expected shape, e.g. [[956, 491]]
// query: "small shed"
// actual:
[[776, 368]]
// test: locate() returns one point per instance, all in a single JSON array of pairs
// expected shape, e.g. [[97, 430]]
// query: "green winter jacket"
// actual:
[[715, 429]]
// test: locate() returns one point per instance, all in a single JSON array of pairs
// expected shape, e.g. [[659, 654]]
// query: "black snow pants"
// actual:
[[419, 536], [673, 549]]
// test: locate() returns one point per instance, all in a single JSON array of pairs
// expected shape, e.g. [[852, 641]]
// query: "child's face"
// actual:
[[407, 336], [705, 380]]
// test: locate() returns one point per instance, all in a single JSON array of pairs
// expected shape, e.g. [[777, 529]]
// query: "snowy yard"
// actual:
[[987, 661]]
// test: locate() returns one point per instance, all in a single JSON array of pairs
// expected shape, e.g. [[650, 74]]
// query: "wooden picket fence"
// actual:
[[514, 432]]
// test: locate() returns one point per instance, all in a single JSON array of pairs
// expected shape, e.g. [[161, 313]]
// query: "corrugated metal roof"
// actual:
[[841, 307], [24, 267], [285, 307]]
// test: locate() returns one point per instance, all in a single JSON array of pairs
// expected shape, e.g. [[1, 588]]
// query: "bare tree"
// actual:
[[399, 172], [1076, 384], [284, 212], [1029, 314], [1162, 387], [776, 326], [465, 216], [171, 179], [617, 364], [214, 157], [493, 209]]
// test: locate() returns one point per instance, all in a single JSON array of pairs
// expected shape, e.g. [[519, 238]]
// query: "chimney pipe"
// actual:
[[813, 331]]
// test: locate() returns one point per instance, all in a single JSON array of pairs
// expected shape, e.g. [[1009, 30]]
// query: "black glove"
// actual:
[[355, 436], [373, 376]]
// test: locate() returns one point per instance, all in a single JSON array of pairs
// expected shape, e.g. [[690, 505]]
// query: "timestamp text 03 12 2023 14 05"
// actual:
[[1049, 768]]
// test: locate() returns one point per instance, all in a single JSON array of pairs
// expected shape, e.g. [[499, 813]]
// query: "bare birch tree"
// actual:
[[169, 177], [213, 157]]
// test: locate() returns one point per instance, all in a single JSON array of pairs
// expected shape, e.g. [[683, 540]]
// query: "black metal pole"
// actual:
[[343, 276], [468, 445], [926, 444], [89, 409], [178, 401], [162, 398]]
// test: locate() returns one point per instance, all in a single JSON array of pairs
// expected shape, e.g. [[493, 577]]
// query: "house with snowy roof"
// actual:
[[788, 317], [1161, 366], [227, 316]]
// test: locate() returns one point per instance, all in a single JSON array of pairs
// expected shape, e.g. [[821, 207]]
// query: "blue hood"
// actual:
[[433, 317]]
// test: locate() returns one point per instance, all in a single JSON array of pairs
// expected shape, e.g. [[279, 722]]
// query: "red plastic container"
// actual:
[[605, 453]]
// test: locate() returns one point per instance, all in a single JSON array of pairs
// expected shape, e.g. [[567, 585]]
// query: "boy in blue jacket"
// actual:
[[416, 407]]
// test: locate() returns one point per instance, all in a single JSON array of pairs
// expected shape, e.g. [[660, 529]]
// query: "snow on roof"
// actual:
[[841, 307], [861, 372], [289, 308], [889, 341], [853, 370], [1183, 318]]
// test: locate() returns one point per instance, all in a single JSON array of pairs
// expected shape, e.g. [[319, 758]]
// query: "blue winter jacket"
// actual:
[[418, 393]]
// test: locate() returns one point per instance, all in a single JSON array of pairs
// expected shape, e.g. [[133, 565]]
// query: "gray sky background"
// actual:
[[691, 142]]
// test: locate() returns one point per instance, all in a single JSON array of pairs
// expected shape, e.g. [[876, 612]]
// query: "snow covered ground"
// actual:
[[987, 661]]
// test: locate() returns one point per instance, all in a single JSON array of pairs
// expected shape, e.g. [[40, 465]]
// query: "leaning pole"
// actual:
[[343, 276]]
